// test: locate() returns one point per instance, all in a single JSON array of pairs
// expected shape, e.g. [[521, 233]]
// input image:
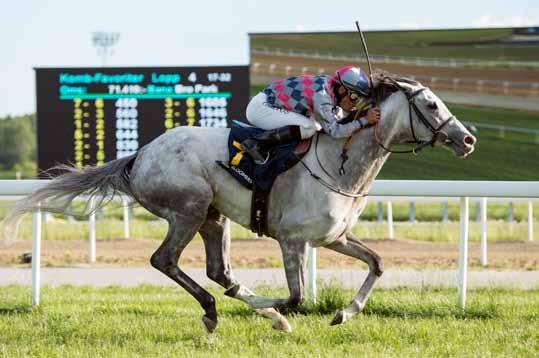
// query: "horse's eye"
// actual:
[[432, 106]]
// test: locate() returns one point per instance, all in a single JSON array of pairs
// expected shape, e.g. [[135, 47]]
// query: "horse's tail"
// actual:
[[102, 182]]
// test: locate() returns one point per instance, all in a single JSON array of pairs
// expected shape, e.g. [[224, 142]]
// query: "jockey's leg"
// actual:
[[257, 146], [281, 126]]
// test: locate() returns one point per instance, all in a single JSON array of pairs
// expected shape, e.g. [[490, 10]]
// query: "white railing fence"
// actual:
[[404, 60], [441, 190], [388, 189], [455, 84]]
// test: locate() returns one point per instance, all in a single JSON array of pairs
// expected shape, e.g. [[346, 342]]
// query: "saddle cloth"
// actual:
[[259, 178], [242, 167]]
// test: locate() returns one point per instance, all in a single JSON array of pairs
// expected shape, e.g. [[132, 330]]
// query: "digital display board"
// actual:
[[87, 116]]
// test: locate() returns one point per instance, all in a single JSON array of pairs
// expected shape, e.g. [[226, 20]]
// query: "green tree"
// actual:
[[17, 141]]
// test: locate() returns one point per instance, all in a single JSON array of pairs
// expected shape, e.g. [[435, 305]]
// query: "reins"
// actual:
[[437, 134], [322, 181], [421, 144]]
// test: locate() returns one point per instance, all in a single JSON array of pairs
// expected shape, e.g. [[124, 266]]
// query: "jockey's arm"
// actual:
[[329, 119]]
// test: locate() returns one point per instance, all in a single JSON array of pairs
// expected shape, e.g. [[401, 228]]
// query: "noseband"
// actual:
[[437, 133]]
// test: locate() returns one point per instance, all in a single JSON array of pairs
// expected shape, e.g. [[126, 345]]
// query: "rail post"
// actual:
[[125, 206], [311, 272], [530, 221], [36, 256], [412, 211], [483, 211], [510, 212], [445, 211], [463, 253], [390, 232], [91, 236]]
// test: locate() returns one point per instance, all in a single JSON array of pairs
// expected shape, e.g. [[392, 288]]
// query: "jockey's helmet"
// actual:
[[353, 79]]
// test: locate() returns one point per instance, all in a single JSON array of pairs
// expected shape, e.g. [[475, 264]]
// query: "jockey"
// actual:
[[297, 107]]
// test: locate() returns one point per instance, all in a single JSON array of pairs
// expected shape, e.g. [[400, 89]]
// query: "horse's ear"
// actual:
[[405, 86]]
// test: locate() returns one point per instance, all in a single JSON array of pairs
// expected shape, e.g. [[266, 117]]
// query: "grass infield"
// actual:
[[158, 321]]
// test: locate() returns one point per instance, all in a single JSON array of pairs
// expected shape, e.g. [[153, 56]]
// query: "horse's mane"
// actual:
[[385, 84]]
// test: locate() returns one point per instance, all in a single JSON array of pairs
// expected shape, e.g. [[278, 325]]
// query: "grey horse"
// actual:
[[176, 177]]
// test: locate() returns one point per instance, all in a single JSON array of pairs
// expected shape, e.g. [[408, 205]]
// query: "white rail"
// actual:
[[381, 188], [406, 60], [479, 85]]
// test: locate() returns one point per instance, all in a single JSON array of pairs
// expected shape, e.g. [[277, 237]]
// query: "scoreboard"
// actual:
[[87, 116]]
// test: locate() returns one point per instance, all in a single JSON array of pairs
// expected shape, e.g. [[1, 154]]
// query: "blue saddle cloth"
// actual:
[[242, 167]]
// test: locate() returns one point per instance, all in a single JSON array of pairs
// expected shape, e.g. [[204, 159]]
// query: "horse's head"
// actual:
[[422, 118], [426, 120]]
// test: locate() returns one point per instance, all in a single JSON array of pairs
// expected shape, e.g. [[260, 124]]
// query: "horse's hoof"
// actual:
[[209, 323], [232, 291], [281, 324], [338, 319]]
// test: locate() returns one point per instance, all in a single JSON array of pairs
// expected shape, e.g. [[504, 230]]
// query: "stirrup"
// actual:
[[258, 162], [252, 148]]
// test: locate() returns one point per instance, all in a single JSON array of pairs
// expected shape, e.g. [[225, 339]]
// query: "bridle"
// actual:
[[437, 133]]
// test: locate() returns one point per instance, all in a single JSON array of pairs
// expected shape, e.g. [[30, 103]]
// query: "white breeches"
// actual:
[[262, 115]]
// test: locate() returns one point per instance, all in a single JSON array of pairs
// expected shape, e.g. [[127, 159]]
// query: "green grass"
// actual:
[[12, 174], [426, 228], [156, 230], [429, 44], [517, 151], [498, 116], [511, 157], [157, 321]]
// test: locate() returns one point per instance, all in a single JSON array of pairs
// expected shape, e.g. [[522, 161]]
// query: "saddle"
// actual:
[[259, 178]]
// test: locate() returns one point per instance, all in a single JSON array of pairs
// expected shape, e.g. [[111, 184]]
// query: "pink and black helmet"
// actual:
[[353, 79]]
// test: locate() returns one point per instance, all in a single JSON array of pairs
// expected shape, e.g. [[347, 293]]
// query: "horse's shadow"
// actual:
[[384, 311], [16, 309], [479, 313]]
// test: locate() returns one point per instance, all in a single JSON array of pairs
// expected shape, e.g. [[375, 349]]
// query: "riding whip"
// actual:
[[364, 43]]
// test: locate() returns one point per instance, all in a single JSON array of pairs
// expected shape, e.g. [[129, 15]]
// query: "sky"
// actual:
[[49, 33]]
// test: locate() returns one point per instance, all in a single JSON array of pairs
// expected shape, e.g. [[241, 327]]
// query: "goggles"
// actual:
[[354, 97], [357, 99]]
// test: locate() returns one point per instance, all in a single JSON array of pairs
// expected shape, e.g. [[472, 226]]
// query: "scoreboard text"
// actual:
[[88, 116]]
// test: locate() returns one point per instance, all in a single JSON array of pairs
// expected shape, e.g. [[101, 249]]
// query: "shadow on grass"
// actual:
[[333, 298], [427, 312], [16, 309]]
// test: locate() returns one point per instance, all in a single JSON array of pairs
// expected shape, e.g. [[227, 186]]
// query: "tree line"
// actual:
[[18, 145]]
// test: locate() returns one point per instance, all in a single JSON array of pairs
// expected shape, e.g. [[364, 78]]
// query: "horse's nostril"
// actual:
[[469, 140]]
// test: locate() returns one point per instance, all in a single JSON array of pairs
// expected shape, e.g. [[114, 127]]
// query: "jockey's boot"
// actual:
[[257, 147]]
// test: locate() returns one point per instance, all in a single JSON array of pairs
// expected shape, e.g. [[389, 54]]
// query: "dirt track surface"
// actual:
[[265, 253], [504, 74], [527, 77]]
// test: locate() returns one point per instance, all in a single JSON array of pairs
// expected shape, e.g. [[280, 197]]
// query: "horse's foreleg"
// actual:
[[294, 253], [350, 246], [215, 233]]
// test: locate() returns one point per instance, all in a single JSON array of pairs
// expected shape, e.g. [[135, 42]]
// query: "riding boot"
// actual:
[[258, 146]]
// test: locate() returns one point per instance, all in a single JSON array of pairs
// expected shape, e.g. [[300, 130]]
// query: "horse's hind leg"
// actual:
[[215, 233], [350, 246], [294, 253], [182, 229]]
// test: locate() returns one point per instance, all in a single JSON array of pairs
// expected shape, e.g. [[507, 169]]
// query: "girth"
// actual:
[[260, 196]]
